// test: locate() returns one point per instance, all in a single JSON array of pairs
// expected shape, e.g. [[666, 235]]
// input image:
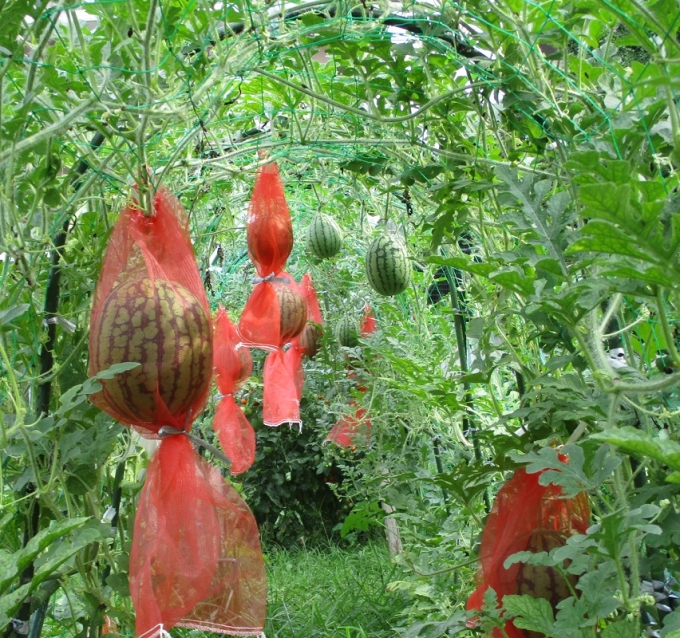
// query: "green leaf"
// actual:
[[602, 237], [423, 174], [363, 515], [9, 603], [9, 314], [671, 625], [115, 369], [620, 629], [534, 614], [11, 565], [571, 476], [640, 444], [65, 549]]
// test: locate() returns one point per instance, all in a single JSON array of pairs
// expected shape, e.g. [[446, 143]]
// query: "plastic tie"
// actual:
[[272, 278], [167, 431]]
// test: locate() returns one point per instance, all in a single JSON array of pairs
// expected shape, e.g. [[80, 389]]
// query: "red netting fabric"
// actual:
[[309, 292], [293, 358], [217, 584], [368, 323], [233, 364], [352, 430], [283, 376], [522, 507], [270, 240], [149, 296], [150, 308], [280, 401], [302, 344]]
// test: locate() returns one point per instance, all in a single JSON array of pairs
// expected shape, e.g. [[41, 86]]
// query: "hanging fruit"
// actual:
[[527, 516], [292, 311], [270, 239], [387, 266], [324, 237], [309, 340], [162, 326], [150, 307], [347, 332]]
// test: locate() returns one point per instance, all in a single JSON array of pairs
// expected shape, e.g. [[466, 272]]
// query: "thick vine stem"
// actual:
[[143, 181]]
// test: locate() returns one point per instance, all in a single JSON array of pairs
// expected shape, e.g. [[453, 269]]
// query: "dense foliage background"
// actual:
[[528, 154]]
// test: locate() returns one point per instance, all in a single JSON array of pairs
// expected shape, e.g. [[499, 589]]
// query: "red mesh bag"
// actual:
[[351, 431], [309, 340], [280, 401], [293, 358], [281, 377], [233, 365], [216, 584], [150, 308], [526, 516], [368, 323], [270, 240]]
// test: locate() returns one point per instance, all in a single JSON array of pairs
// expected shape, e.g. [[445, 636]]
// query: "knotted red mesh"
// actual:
[[270, 239], [196, 559], [233, 365], [150, 308], [524, 511]]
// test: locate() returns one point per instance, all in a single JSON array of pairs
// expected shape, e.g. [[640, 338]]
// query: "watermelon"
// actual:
[[309, 339], [347, 332], [293, 312], [541, 581], [324, 237], [162, 326], [387, 266]]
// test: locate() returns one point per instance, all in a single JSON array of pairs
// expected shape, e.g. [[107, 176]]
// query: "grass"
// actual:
[[332, 593]]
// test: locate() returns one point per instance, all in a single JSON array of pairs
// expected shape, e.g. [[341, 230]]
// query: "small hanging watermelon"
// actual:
[[347, 332], [387, 266], [324, 237]]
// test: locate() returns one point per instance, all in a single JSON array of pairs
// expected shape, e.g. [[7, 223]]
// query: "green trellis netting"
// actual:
[[196, 90], [478, 130]]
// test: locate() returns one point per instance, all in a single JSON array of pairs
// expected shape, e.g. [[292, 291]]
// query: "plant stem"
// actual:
[[665, 326]]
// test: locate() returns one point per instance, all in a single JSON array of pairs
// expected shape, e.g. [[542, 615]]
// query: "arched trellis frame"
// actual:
[[474, 104]]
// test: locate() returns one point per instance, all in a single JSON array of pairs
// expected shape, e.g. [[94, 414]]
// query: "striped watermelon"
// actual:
[[347, 332], [387, 266], [309, 340], [293, 309], [164, 327], [540, 581], [324, 237]]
